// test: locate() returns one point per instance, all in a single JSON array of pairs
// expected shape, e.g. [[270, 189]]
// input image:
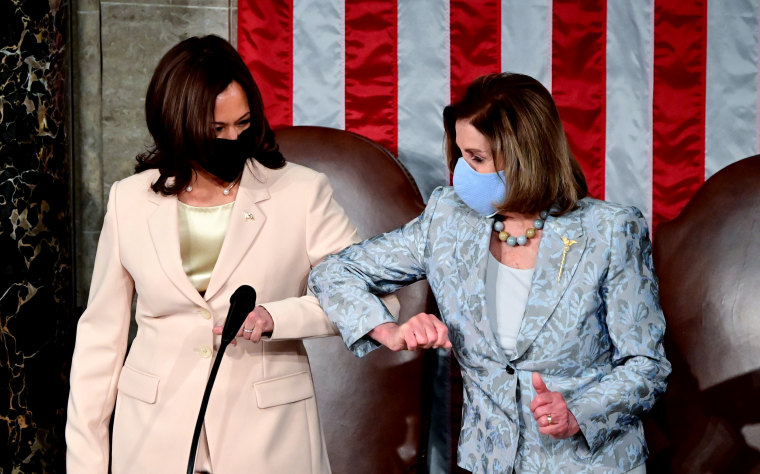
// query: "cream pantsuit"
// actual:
[[262, 415]]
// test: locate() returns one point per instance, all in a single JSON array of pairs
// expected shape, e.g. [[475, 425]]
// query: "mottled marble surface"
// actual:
[[36, 311]]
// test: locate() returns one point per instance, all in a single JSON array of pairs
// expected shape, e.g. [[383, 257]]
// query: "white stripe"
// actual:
[[319, 63], [423, 89], [526, 35], [731, 115], [628, 139]]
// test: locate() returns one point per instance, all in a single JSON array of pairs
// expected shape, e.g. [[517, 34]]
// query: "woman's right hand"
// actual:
[[421, 331]]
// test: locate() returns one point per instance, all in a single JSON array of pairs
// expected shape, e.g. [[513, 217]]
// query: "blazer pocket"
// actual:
[[282, 390], [139, 385]]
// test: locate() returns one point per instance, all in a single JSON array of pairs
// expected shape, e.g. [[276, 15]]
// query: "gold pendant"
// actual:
[[568, 243]]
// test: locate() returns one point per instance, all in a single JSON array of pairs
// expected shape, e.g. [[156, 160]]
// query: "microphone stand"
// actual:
[[242, 302]]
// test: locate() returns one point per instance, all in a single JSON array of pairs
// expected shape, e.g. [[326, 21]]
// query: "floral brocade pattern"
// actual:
[[596, 336]]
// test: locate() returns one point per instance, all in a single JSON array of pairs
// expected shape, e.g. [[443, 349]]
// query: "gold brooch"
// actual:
[[248, 216], [568, 243]]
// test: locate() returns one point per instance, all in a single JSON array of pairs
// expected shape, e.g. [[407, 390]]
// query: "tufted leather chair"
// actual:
[[374, 410], [708, 263]]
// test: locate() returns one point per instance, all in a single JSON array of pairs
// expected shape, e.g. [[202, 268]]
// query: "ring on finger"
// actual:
[[247, 330], [549, 418]]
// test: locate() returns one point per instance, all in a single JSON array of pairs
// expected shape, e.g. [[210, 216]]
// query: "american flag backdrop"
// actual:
[[655, 95]]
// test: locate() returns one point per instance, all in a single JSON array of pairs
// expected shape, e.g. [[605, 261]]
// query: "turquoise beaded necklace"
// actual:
[[530, 232]]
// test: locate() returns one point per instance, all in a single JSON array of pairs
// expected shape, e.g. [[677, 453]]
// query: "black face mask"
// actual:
[[228, 157]]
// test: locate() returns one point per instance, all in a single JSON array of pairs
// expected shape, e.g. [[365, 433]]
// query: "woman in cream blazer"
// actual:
[[262, 414]]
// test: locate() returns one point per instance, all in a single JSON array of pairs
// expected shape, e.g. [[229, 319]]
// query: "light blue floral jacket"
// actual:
[[593, 333]]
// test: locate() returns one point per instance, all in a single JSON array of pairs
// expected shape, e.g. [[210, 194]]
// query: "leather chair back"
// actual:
[[708, 264], [373, 410]]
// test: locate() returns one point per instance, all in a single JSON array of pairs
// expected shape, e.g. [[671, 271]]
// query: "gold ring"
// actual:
[[549, 419], [247, 330]]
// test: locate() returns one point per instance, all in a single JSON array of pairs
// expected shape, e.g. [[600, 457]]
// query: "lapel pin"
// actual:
[[248, 216], [568, 243]]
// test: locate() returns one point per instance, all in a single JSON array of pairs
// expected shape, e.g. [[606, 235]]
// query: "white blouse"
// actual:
[[506, 297]]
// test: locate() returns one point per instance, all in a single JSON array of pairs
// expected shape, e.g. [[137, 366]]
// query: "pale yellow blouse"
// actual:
[[201, 234]]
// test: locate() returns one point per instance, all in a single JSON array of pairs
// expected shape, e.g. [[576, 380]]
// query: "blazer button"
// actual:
[[205, 314], [205, 351], [510, 370]]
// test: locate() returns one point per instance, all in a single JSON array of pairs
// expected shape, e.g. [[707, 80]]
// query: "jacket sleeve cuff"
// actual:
[[355, 331], [592, 421], [297, 318]]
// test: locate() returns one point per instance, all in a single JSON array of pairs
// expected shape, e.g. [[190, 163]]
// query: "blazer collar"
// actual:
[[245, 223], [562, 237], [164, 232], [472, 249], [547, 286]]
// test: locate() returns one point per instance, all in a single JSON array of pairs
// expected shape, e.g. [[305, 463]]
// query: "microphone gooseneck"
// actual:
[[242, 302]]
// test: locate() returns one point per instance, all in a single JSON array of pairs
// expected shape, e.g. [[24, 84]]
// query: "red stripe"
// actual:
[[475, 42], [265, 41], [372, 70], [579, 72], [680, 51]]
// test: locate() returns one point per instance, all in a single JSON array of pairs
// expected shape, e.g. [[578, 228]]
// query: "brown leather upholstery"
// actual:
[[373, 410], [708, 264]]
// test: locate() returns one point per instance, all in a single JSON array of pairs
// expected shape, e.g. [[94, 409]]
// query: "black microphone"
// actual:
[[242, 302]]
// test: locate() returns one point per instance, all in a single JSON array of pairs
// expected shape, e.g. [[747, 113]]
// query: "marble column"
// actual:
[[36, 295], [89, 196]]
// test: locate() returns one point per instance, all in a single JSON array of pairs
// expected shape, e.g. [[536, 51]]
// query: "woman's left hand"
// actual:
[[256, 324], [551, 412]]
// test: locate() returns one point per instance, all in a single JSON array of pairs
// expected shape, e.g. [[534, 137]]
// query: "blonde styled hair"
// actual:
[[520, 120]]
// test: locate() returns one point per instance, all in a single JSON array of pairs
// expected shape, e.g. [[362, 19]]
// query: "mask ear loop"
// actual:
[[502, 174]]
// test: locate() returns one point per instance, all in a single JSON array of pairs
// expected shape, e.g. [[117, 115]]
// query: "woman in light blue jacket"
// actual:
[[548, 297]]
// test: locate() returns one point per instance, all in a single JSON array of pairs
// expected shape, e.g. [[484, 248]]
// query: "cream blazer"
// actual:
[[262, 415]]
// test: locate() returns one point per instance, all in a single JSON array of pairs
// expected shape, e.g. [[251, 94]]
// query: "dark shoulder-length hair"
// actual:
[[179, 110], [521, 122]]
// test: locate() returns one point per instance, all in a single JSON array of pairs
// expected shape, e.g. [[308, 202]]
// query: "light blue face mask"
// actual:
[[480, 191]]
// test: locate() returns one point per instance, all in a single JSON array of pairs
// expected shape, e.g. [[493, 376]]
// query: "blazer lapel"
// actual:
[[246, 222], [163, 227], [562, 245], [472, 257]]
